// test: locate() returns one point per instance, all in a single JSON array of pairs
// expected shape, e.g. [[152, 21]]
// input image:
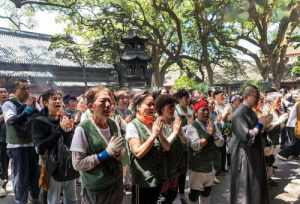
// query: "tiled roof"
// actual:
[[26, 74], [18, 47], [80, 84]]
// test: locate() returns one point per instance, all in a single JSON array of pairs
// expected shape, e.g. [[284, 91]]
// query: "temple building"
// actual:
[[27, 55]]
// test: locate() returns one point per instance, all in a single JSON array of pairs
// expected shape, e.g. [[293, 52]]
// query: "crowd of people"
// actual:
[[116, 143]]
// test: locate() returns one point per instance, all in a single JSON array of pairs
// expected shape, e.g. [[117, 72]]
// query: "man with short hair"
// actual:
[[70, 105], [248, 170], [3, 156], [17, 112]]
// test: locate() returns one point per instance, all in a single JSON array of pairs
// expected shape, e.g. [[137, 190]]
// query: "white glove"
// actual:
[[115, 145]]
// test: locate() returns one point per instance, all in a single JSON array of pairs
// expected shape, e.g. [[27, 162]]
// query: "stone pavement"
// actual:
[[287, 191]]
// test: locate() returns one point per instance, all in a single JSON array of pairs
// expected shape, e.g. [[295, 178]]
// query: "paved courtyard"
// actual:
[[287, 177]]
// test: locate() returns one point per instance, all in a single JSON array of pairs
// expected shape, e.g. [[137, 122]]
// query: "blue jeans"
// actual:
[[25, 172], [68, 188]]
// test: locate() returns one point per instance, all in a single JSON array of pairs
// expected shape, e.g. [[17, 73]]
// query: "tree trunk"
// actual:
[[210, 75], [278, 74], [209, 70], [84, 76], [156, 75], [279, 68], [276, 82], [206, 61]]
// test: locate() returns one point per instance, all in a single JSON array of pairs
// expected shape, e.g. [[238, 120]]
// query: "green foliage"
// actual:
[[295, 70], [184, 82], [201, 87], [296, 41], [17, 19], [178, 33], [195, 35], [258, 83], [67, 48], [271, 27]]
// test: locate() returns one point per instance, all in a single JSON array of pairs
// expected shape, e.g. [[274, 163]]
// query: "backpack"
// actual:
[[297, 125], [59, 162]]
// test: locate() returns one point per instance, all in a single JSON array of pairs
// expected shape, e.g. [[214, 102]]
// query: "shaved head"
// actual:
[[251, 96]]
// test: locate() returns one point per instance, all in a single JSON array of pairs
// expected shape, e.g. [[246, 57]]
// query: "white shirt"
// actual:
[[292, 117], [9, 110], [193, 137], [132, 132], [79, 141]]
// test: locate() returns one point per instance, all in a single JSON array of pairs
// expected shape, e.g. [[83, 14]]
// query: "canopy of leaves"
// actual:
[[178, 32], [196, 35], [269, 27], [17, 18], [295, 70], [184, 82]]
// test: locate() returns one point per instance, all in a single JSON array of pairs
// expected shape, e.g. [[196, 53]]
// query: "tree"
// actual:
[[179, 32], [184, 82], [63, 4], [203, 36], [268, 25], [17, 18], [69, 49], [104, 23], [295, 70]]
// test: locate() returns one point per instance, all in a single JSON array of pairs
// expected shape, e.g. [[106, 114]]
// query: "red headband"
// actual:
[[200, 104]]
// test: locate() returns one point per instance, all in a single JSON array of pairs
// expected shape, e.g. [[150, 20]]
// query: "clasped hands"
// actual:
[[158, 124]]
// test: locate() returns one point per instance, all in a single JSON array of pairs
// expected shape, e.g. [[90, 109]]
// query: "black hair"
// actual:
[[211, 91], [162, 101], [17, 83], [156, 94], [45, 98], [120, 93], [51, 92], [139, 98], [181, 93]]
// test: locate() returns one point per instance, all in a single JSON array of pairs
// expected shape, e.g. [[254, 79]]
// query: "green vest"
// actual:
[[183, 118], [18, 134], [14, 137], [149, 171], [176, 158], [108, 172], [203, 160]]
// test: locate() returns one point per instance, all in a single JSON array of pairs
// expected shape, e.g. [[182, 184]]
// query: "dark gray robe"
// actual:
[[248, 171]]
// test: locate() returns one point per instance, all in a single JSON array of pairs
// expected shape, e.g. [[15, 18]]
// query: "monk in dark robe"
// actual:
[[248, 171]]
